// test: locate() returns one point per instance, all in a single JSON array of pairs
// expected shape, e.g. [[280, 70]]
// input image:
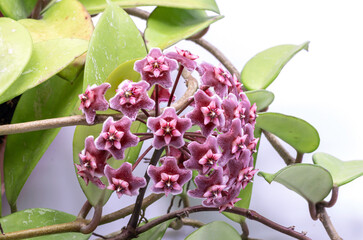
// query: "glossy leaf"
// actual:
[[295, 131], [53, 98], [312, 182], [262, 98], [261, 70], [155, 233], [123, 43], [17, 9], [246, 194], [40, 217], [215, 230], [93, 193], [167, 26], [342, 172], [48, 58], [15, 51], [96, 6], [64, 19]]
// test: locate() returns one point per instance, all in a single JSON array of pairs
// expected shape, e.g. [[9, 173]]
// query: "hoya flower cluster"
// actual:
[[221, 151]]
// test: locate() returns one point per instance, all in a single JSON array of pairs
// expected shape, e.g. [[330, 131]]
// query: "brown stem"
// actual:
[[250, 214], [333, 199], [141, 157], [312, 210], [84, 210], [328, 225], [284, 154], [299, 157], [39, 6], [141, 120], [138, 13], [91, 226], [245, 231]]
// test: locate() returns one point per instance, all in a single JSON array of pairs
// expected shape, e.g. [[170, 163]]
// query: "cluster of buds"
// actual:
[[221, 151]]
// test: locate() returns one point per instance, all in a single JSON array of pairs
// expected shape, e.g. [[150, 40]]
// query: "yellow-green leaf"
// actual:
[[17, 9]]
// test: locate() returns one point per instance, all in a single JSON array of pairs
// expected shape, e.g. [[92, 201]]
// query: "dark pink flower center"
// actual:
[[113, 137]]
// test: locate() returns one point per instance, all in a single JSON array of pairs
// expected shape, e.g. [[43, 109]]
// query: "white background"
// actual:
[[322, 86]]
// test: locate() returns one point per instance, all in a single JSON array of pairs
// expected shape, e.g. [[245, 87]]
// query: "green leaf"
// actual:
[[48, 58], [262, 98], [310, 181], [295, 131], [15, 51], [64, 19], [93, 193], [215, 231], [246, 193], [115, 40], [261, 70], [40, 217], [342, 172], [167, 26], [96, 6], [155, 233], [53, 98], [17, 9]]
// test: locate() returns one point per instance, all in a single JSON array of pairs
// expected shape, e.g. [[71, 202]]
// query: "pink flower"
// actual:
[[207, 112], [253, 115], [116, 137], [92, 163], [185, 58], [168, 129], [215, 77], [204, 157], [93, 100], [245, 176], [163, 95], [122, 181], [131, 97], [156, 68], [168, 178], [238, 85]]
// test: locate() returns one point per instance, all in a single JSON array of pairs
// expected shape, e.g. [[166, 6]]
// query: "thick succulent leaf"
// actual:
[[167, 26], [215, 230], [262, 98], [17, 9], [40, 217], [115, 40], [48, 58], [93, 193], [245, 194], [64, 19], [294, 131], [310, 181], [53, 98], [155, 233], [96, 6], [342, 172], [15, 51], [261, 70]]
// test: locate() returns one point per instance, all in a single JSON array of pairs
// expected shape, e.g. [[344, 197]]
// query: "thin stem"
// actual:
[[192, 222], [141, 120], [147, 115], [284, 154], [141, 157], [136, 213], [171, 204], [145, 138], [157, 109], [143, 134], [93, 224], [13, 208], [250, 214], [84, 210], [312, 210], [175, 84], [328, 225], [299, 157], [245, 231], [333, 199], [138, 13]]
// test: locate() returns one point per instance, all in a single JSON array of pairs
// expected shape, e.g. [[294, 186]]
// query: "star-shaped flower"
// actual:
[[92, 163], [168, 128], [131, 97], [207, 112], [168, 178], [94, 100], [215, 77], [185, 58], [204, 157], [122, 181], [116, 137], [156, 68]]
